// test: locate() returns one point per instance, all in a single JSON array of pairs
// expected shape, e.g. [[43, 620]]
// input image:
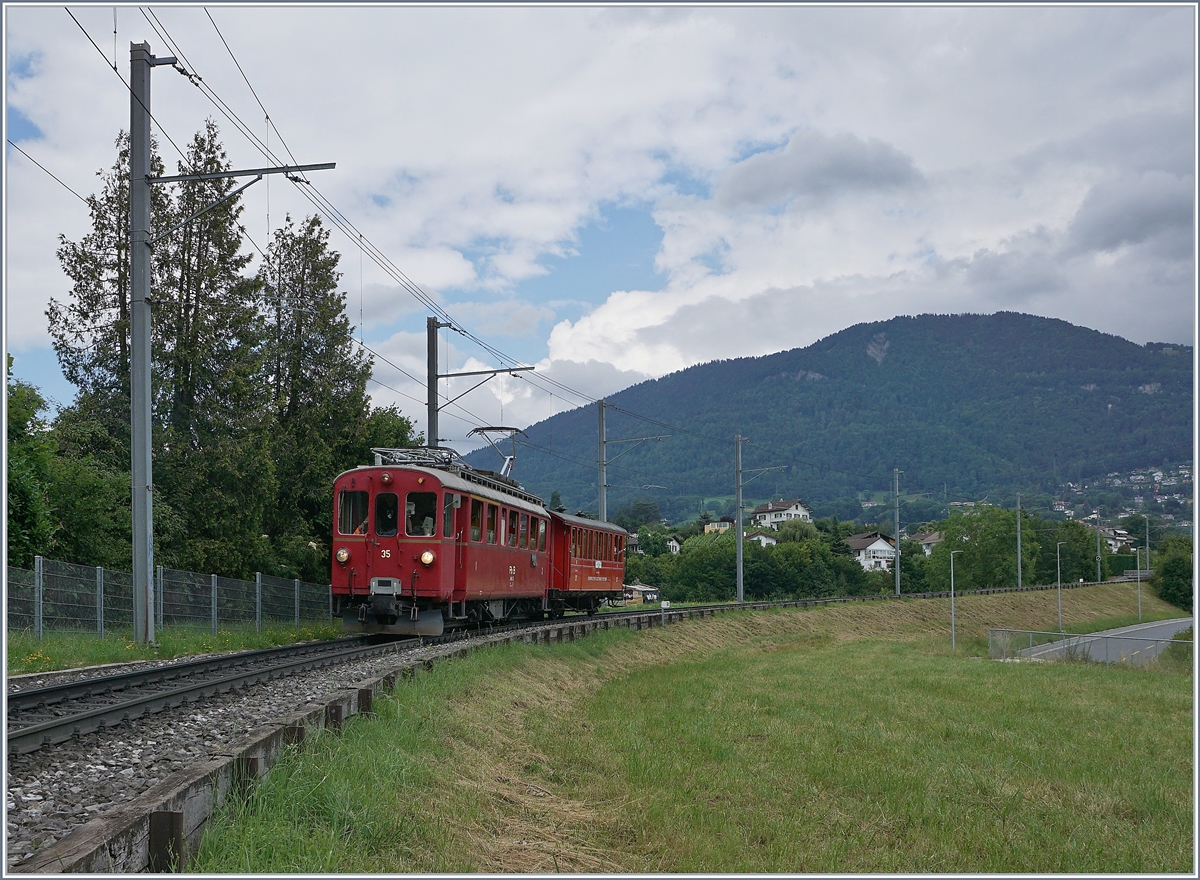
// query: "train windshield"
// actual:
[[352, 512], [420, 512], [387, 505]]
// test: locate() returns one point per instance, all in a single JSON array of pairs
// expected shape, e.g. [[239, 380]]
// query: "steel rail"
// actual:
[[27, 738], [33, 698]]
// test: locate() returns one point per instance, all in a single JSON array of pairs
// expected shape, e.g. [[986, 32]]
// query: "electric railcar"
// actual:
[[422, 543]]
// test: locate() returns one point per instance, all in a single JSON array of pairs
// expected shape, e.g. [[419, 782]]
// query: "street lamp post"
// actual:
[[952, 640], [1058, 559], [1137, 563]]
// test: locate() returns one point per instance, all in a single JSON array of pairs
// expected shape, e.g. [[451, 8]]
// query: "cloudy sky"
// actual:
[[617, 193]]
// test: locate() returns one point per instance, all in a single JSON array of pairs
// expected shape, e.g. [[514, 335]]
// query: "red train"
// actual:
[[422, 542]]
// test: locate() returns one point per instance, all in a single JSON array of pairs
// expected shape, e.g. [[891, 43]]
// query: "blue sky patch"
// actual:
[[687, 184], [614, 252], [22, 66], [20, 127]]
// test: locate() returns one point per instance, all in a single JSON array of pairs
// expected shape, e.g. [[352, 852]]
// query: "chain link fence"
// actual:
[[1133, 650], [63, 597]]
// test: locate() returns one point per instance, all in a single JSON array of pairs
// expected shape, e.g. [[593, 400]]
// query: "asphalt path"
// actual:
[[1135, 644]]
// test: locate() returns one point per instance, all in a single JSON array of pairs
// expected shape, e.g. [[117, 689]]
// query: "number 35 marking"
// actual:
[[385, 554]]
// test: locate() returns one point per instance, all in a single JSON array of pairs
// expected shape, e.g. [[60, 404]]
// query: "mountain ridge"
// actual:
[[968, 403]]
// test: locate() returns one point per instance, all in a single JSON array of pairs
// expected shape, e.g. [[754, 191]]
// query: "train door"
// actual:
[[387, 530]]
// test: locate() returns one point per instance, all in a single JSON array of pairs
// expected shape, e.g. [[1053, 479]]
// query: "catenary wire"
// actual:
[[182, 155], [48, 171]]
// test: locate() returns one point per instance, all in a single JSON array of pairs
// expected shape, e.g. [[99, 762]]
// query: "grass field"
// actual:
[[24, 653], [835, 739]]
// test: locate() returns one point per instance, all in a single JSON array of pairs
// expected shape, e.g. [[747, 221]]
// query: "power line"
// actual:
[[51, 173], [182, 155]]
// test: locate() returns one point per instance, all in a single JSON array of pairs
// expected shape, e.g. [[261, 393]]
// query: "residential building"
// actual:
[[873, 550], [928, 540], [718, 526], [775, 513], [1118, 540], [763, 538]]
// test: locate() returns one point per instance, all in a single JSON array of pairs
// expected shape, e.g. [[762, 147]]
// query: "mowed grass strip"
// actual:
[[28, 654], [836, 739]]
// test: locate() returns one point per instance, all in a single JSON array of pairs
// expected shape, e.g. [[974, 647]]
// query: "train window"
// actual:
[[589, 544], [448, 514], [512, 528], [524, 542], [420, 511], [491, 524], [352, 512], [476, 519], [541, 535], [387, 505], [620, 548]]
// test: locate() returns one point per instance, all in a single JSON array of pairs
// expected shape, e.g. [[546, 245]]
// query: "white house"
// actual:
[[762, 538], [673, 544], [928, 540], [774, 513], [873, 550], [1118, 540]]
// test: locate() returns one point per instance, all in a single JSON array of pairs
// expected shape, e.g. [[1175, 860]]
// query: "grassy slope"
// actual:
[[847, 738]]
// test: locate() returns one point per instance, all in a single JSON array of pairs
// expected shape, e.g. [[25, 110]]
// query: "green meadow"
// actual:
[[837, 739]]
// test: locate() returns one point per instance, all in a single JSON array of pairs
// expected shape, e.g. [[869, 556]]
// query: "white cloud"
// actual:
[[842, 164]]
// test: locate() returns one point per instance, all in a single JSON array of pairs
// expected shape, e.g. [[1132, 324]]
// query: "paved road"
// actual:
[[1135, 644]]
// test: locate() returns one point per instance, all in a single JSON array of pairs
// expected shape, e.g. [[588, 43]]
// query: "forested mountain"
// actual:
[[964, 405]]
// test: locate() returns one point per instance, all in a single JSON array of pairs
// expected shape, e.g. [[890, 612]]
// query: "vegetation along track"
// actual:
[[46, 715]]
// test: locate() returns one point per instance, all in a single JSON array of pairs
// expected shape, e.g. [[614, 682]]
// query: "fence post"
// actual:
[[100, 601], [214, 604], [297, 602], [159, 586], [331, 602], [258, 601], [37, 596]]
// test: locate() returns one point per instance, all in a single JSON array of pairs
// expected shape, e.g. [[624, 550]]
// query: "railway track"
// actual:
[[44, 716]]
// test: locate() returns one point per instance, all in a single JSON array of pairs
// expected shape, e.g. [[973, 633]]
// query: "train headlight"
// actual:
[[386, 478], [427, 557], [343, 555]]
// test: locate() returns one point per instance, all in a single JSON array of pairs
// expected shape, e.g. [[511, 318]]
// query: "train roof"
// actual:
[[465, 479], [584, 522]]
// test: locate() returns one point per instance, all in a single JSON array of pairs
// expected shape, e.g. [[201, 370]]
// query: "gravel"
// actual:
[[55, 789]]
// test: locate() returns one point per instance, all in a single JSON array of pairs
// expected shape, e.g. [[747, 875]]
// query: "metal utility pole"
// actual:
[[1098, 577], [141, 240], [896, 520], [737, 470], [432, 325], [602, 483], [1018, 540], [603, 460], [140, 62]]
